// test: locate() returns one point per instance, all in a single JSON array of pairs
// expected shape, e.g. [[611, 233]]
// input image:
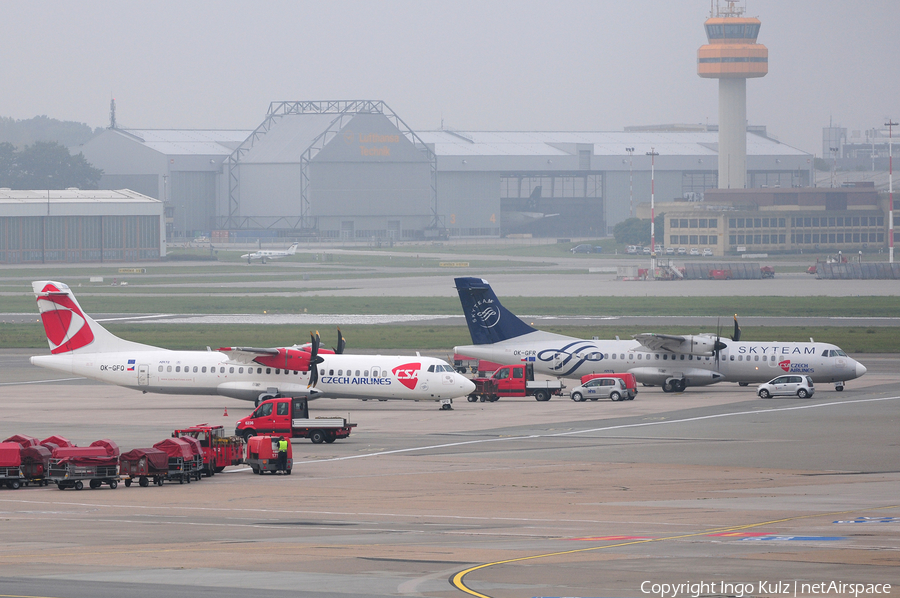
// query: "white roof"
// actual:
[[60, 196], [183, 142], [546, 143]]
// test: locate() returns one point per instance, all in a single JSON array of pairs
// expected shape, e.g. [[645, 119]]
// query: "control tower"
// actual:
[[732, 56]]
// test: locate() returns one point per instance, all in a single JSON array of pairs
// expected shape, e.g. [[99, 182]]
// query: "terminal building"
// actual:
[[354, 170], [70, 225]]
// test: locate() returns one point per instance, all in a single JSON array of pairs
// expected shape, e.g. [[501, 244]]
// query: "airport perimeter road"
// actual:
[[508, 499]]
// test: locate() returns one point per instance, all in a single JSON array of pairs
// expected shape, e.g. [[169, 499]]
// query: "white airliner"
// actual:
[[670, 361], [80, 346], [271, 254]]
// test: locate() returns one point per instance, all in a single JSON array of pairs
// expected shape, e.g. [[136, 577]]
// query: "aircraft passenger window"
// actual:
[[665, 356], [340, 372], [296, 372], [657, 355], [331, 372], [278, 371], [682, 358], [731, 358], [160, 368], [640, 356], [240, 370], [195, 369], [231, 370], [630, 356], [622, 356], [357, 373], [168, 368], [366, 373], [203, 369], [259, 370], [756, 358], [268, 370], [374, 372], [177, 368]]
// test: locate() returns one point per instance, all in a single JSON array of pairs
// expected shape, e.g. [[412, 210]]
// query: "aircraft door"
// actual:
[[143, 375]]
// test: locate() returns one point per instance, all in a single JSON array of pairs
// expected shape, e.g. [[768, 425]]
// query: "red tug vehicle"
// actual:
[[218, 450]]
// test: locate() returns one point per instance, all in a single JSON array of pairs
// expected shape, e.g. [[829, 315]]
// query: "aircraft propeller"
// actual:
[[340, 344], [719, 345], [314, 359]]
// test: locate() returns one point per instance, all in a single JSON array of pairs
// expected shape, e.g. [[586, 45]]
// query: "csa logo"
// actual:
[[485, 314], [408, 374], [64, 323], [785, 365]]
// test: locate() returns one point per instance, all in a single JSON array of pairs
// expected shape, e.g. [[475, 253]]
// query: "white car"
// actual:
[[787, 386], [670, 251], [632, 249], [707, 252], [695, 251], [682, 251], [600, 388]]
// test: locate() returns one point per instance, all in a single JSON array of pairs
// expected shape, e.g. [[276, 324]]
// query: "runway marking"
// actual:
[[591, 430], [457, 580], [39, 382]]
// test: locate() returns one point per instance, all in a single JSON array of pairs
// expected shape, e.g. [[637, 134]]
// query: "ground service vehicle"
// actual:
[[720, 274], [514, 381], [787, 386], [262, 455], [600, 388], [628, 380], [181, 457], [288, 417], [10, 464], [767, 272], [98, 463], [144, 465], [219, 450]]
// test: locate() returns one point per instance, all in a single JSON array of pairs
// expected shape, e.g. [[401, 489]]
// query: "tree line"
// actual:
[[45, 165]]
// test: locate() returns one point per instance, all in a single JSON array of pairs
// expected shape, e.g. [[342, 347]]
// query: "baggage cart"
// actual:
[[72, 472], [181, 459], [10, 465], [35, 465], [145, 465]]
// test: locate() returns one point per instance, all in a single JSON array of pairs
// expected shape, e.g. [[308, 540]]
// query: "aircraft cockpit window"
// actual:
[[431, 369], [840, 353]]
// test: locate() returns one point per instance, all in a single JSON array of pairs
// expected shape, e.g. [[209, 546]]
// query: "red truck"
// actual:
[[290, 418], [514, 381], [219, 450]]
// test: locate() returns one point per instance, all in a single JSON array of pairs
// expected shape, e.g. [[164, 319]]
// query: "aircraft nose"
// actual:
[[860, 369], [468, 387]]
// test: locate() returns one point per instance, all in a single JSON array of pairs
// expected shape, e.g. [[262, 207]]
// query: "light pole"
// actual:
[[652, 155], [630, 151], [834, 151], [890, 125]]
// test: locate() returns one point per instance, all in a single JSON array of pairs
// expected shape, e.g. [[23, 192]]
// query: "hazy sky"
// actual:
[[495, 65]]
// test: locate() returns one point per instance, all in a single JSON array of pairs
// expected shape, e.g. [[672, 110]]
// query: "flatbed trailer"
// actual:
[[144, 465], [72, 472]]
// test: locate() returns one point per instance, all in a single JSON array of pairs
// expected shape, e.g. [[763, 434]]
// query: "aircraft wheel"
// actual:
[[743, 384], [446, 407], [839, 388], [666, 387], [679, 386]]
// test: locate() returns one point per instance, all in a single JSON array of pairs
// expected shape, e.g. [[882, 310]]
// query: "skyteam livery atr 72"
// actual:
[[80, 346], [672, 362]]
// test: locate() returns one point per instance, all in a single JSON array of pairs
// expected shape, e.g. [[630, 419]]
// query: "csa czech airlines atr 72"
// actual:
[[672, 362], [80, 346]]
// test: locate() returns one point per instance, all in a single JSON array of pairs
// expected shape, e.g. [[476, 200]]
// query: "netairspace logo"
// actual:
[[771, 588]]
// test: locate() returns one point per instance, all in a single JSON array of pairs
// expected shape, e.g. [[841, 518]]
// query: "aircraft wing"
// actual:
[[661, 342], [246, 355]]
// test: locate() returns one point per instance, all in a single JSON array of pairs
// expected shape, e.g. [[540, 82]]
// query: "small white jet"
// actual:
[[272, 254], [80, 346], [672, 362]]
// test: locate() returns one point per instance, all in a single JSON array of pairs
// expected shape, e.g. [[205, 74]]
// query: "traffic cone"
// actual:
[[226, 412]]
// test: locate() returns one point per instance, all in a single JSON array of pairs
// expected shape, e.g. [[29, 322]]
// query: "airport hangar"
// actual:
[[354, 171], [73, 225]]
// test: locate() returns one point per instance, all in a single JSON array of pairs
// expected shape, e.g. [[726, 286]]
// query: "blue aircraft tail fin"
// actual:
[[488, 321]]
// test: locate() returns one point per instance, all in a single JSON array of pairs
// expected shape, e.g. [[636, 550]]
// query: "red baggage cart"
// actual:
[[181, 458], [145, 465], [11, 464]]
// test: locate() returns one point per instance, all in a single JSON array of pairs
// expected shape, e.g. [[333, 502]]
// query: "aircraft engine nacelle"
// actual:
[[659, 376], [287, 359], [700, 345]]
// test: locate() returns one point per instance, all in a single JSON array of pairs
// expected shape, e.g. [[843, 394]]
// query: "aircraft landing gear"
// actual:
[[447, 405], [839, 386], [674, 385]]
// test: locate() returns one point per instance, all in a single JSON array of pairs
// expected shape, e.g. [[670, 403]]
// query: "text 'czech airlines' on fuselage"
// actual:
[[80, 346], [672, 362]]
